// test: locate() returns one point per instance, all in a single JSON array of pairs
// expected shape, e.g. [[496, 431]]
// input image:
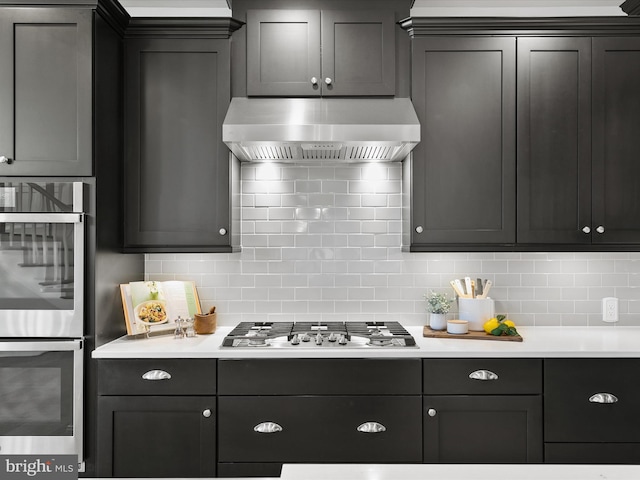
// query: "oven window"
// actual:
[[30, 395], [37, 257], [36, 393]]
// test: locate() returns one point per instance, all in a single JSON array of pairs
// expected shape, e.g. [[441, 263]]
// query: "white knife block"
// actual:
[[476, 311]]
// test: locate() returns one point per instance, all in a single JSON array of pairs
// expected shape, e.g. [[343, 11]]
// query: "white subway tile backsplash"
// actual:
[[324, 243]]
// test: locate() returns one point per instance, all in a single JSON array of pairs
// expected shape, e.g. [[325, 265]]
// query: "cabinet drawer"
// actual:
[[591, 400], [163, 377], [592, 453], [319, 377], [482, 376], [319, 429]]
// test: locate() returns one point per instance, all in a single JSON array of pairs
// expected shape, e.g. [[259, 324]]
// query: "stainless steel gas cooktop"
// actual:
[[319, 335]]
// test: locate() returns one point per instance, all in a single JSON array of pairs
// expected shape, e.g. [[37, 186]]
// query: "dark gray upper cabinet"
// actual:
[[463, 171], [550, 162], [554, 140], [176, 166], [578, 111], [46, 114], [312, 53], [616, 150]]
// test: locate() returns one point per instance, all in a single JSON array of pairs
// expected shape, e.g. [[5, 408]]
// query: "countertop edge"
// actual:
[[539, 342]]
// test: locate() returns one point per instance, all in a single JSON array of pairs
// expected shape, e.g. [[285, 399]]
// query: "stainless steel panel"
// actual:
[[321, 129]]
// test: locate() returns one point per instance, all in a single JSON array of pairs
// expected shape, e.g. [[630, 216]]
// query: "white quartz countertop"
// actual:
[[459, 472], [539, 342]]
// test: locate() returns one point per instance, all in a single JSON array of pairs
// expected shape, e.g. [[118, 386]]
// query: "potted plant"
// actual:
[[438, 305]]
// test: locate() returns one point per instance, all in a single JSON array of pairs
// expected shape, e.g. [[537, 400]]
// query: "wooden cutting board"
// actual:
[[427, 332]]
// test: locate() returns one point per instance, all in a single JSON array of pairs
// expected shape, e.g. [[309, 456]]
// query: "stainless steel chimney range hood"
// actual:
[[342, 130]]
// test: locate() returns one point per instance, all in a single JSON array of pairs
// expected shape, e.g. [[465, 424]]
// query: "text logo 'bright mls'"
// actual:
[[60, 467]]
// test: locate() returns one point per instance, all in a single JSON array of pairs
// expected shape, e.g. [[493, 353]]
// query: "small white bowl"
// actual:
[[458, 327]]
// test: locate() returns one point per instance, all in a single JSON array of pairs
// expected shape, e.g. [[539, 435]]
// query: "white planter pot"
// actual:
[[438, 321]]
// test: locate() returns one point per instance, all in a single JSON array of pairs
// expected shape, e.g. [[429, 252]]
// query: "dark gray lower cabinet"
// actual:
[[157, 436], [482, 429], [320, 429], [157, 418], [275, 411], [482, 410], [591, 411]]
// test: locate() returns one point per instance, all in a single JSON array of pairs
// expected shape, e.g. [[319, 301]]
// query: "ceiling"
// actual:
[[421, 8], [177, 8], [516, 8]]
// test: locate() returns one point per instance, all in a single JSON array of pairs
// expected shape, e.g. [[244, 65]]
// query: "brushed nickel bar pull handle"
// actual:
[[483, 375], [603, 398], [267, 427], [371, 427], [156, 375]]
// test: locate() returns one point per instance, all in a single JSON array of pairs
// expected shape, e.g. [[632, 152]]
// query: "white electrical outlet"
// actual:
[[610, 309]]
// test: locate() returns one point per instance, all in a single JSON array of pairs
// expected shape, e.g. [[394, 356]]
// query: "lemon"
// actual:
[[491, 325]]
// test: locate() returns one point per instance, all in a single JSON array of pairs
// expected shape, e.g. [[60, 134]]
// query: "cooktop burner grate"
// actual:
[[256, 330], [319, 334]]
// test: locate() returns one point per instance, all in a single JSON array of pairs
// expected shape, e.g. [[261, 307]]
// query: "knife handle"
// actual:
[[456, 288], [487, 286], [469, 288]]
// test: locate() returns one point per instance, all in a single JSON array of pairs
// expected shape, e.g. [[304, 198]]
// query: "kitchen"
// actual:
[[325, 243]]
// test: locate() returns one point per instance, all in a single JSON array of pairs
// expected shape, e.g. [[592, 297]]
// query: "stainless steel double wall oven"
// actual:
[[42, 288]]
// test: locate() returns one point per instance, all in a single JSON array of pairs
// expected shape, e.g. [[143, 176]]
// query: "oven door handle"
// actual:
[[41, 217]]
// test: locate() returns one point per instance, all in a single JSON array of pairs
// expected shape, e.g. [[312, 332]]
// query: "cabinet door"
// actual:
[[464, 175], [319, 429], [283, 53], [616, 150], [46, 91], [591, 400], [156, 437], [358, 52], [483, 429], [554, 140], [177, 167]]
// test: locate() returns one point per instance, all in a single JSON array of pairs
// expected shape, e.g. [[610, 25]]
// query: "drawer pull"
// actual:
[[267, 427], [603, 398], [206, 413], [371, 427], [432, 412], [157, 375], [483, 375]]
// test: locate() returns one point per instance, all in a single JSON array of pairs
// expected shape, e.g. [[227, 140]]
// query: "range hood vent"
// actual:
[[299, 130]]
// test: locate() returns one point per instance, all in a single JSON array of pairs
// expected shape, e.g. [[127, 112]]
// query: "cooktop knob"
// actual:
[[342, 340], [295, 340], [319, 339], [333, 337]]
